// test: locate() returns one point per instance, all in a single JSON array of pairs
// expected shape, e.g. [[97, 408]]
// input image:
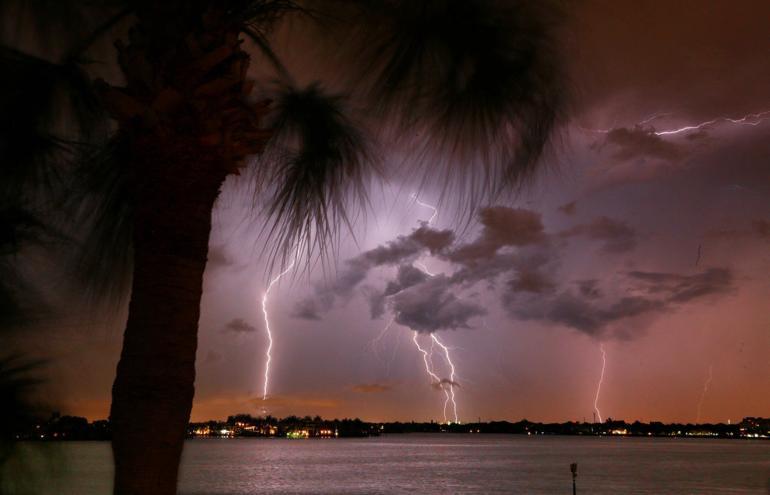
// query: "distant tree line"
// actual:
[[59, 427]]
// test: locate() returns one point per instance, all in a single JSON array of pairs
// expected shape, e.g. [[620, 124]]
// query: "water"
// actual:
[[437, 463]]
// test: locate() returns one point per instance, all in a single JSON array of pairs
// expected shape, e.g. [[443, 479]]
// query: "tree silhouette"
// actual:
[[475, 85]]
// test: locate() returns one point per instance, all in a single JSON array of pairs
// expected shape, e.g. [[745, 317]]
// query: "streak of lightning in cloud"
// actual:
[[268, 355], [450, 393], [752, 119], [426, 205], [446, 385], [599, 386], [705, 390], [373, 343]]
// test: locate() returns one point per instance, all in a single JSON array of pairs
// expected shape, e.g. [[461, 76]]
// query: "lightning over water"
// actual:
[[705, 391], [448, 385], [435, 380], [268, 351], [599, 385], [452, 383]]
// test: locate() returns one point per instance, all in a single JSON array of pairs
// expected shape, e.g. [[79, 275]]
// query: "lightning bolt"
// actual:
[[446, 385], [425, 205], [435, 380], [705, 390], [373, 343], [450, 393], [268, 351], [599, 386], [451, 384], [752, 119]]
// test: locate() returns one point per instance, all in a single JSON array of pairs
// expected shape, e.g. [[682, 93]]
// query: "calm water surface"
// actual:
[[436, 463]]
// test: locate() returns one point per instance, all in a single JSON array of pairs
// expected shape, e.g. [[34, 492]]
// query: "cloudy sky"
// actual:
[[638, 237]]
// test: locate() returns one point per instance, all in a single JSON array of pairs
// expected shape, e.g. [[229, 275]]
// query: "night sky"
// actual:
[[654, 245]]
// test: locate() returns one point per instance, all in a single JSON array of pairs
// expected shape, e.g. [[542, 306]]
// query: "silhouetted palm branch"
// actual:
[[102, 195], [315, 164], [19, 229], [474, 86], [48, 109]]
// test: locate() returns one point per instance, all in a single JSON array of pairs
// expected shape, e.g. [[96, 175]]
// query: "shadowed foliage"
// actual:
[[476, 87], [37, 97], [19, 300], [317, 162]]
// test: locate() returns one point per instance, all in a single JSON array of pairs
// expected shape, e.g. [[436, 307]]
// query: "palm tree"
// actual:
[[473, 83]]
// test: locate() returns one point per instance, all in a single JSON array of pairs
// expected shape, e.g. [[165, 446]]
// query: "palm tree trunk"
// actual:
[[153, 390], [185, 115]]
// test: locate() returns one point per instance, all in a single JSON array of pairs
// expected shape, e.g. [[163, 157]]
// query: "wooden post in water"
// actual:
[[573, 468]]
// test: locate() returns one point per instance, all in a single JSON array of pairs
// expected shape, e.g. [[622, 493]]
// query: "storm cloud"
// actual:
[[355, 270], [616, 236], [501, 227], [431, 306], [643, 294], [630, 143], [239, 325]]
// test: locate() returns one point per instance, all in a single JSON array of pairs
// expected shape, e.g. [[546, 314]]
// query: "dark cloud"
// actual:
[[444, 383], [218, 257], [501, 227], [761, 228], [372, 388], [407, 276], [684, 288], [431, 306], [569, 208], [307, 309], [409, 247], [758, 229], [435, 241], [573, 311], [355, 270], [239, 325], [376, 300], [212, 357], [530, 281], [639, 143], [589, 289], [643, 294], [617, 236]]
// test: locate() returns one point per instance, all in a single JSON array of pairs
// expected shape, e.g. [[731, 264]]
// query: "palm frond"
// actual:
[[263, 44], [102, 199], [316, 163], [20, 229], [48, 110], [474, 83], [261, 15]]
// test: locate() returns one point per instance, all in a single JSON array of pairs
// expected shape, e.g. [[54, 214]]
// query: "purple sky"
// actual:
[[655, 245]]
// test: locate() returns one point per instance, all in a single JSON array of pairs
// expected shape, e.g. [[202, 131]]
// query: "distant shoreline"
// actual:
[[58, 428]]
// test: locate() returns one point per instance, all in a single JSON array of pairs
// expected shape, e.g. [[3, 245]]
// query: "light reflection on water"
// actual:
[[443, 463]]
